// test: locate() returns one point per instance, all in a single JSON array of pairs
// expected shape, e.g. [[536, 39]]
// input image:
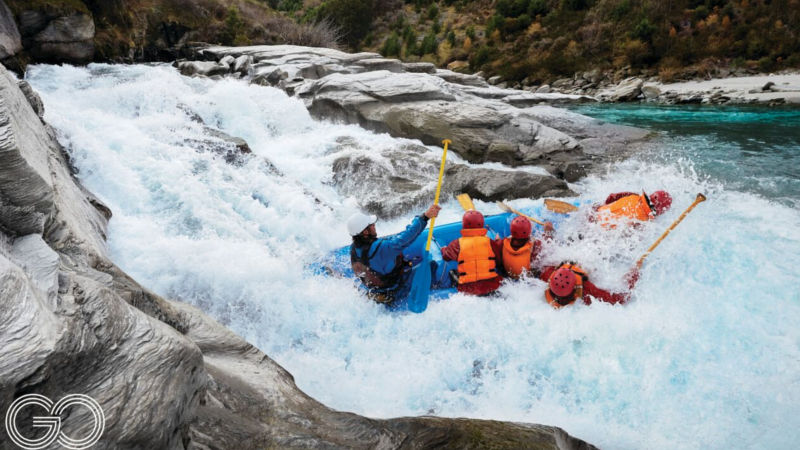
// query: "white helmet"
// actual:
[[358, 221]]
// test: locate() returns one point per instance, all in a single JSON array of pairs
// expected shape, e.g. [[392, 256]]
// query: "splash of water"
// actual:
[[707, 355]]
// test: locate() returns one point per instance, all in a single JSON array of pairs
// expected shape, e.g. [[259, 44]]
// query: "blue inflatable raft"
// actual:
[[337, 263]]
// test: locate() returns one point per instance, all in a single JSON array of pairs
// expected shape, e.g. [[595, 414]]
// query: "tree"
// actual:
[[354, 17]]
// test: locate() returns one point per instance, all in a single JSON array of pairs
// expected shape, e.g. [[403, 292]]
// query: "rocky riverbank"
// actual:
[[542, 146], [165, 374], [739, 88]]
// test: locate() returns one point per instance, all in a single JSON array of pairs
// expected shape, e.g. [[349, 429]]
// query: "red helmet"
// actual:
[[520, 228], [472, 219], [661, 201], [562, 282]]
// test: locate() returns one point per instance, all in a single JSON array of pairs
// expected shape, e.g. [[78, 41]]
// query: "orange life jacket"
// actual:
[[476, 260], [577, 293], [518, 261], [634, 206]]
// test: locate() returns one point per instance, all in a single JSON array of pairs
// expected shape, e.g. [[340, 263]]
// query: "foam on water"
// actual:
[[707, 355]]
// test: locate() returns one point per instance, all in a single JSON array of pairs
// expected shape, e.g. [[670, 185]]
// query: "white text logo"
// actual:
[[52, 422]]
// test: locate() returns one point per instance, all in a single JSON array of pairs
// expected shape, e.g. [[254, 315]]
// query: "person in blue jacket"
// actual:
[[379, 262]]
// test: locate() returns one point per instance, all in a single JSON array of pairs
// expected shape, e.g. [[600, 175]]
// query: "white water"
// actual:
[[707, 355]]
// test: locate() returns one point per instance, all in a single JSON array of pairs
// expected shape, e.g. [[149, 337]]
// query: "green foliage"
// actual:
[[437, 27], [353, 17], [644, 30], [391, 46], [451, 38], [621, 10], [479, 58], [433, 12], [287, 5], [470, 32], [574, 5], [234, 32], [429, 45], [538, 8]]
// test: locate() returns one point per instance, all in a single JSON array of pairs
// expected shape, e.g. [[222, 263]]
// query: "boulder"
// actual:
[[33, 98], [395, 180], [458, 66], [10, 39], [495, 79], [202, 68], [242, 64], [629, 89], [64, 39], [420, 67], [544, 89], [651, 92]]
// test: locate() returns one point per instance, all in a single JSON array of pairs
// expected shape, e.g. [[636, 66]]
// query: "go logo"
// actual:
[[52, 422]]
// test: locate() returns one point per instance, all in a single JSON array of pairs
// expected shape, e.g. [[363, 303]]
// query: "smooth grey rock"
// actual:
[[394, 180], [461, 78], [202, 68], [31, 22], [33, 98], [10, 39], [629, 89], [420, 67], [651, 92], [39, 261], [72, 28], [227, 60], [767, 86], [242, 64], [495, 80], [373, 64], [26, 188], [544, 89]]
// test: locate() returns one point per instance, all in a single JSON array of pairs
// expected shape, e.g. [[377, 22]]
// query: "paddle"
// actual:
[[509, 209], [466, 202], [700, 198], [559, 207], [421, 274]]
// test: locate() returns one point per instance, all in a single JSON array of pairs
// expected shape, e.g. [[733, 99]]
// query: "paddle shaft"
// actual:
[[520, 214], [700, 198], [446, 142]]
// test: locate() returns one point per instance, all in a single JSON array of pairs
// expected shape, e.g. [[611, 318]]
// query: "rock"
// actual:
[[391, 182], [202, 68], [31, 22], [458, 66], [629, 89], [492, 185], [460, 78], [33, 98], [562, 83], [651, 92], [64, 39], [420, 67], [391, 65], [26, 187], [544, 89], [242, 64], [767, 86], [227, 60], [10, 39], [494, 80]]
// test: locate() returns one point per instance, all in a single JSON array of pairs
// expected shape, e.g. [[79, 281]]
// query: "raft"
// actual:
[[337, 263]]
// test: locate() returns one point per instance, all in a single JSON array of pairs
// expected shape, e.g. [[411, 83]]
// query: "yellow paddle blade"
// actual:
[[465, 201], [559, 206], [509, 209]]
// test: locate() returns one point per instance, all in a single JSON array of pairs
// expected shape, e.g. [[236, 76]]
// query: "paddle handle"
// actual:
[[700, 198], [446, 142]]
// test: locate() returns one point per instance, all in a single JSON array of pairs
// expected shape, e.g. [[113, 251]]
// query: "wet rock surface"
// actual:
[[165, 374], [487, 123]]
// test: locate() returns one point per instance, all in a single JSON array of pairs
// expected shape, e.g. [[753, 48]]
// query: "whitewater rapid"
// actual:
[[707, 354]]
